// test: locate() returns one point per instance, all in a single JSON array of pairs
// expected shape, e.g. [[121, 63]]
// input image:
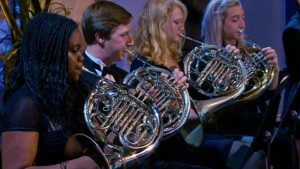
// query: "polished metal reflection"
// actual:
[[123, 121], [215, 73], [259, 72], [172, 103]]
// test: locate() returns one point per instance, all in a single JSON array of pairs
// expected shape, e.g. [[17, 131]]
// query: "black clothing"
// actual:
[[242, 118], [175, 153], [23, 114], [212, 153], [91, 80], [291, 42]]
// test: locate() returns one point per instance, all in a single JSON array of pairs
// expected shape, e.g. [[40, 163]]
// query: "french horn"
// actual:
[[124, 124], [259, 72], [172, 103], [215, 73]]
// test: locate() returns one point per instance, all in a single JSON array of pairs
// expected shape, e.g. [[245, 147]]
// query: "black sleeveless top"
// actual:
[[22, 113]]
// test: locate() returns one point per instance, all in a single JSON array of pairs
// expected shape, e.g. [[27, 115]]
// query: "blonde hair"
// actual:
[[150, 37], [213, 19]]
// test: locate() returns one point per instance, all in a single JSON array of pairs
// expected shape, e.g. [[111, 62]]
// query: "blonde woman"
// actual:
[[223, 24], [158, 42]]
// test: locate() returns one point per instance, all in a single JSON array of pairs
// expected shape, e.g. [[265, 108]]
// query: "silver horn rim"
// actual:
[[125, 125], [167, 93]]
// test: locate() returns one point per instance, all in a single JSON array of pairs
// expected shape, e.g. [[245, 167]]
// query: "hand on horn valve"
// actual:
[[234, 50], [181, 79]]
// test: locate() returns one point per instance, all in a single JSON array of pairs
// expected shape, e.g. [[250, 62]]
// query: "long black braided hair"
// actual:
[[42, 63]]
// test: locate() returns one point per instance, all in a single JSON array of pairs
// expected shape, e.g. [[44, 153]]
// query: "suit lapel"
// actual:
[[90, 79], [89, 64]]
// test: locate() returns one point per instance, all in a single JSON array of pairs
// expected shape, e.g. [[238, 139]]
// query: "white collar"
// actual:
[[95, 60]]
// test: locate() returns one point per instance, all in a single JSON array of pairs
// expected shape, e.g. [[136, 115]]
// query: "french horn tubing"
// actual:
[[124, 123], [172, 103], [215, 73], [259, 72]]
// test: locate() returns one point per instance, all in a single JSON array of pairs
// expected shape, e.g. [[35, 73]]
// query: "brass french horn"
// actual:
[[124, 123], [215, 73], [259, 72], [172, 103]]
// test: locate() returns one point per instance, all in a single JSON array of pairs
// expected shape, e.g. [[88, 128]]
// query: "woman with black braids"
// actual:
[[44, 98]]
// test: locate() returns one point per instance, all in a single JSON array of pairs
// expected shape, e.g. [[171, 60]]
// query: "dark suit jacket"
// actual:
[[91, 80]]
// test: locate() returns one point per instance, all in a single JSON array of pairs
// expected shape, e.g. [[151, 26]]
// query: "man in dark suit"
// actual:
[[107, 31]]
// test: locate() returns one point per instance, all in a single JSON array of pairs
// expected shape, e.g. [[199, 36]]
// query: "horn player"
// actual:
[[158, 42], [221, 25]]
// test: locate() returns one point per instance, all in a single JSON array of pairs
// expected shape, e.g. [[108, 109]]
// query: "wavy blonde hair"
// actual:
[[213, 19], [150, 37]]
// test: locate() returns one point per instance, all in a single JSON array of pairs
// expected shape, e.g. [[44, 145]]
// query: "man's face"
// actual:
[[120, 40]]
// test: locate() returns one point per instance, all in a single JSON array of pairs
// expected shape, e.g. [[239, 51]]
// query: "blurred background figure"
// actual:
[[192, 25], [291, 43]]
